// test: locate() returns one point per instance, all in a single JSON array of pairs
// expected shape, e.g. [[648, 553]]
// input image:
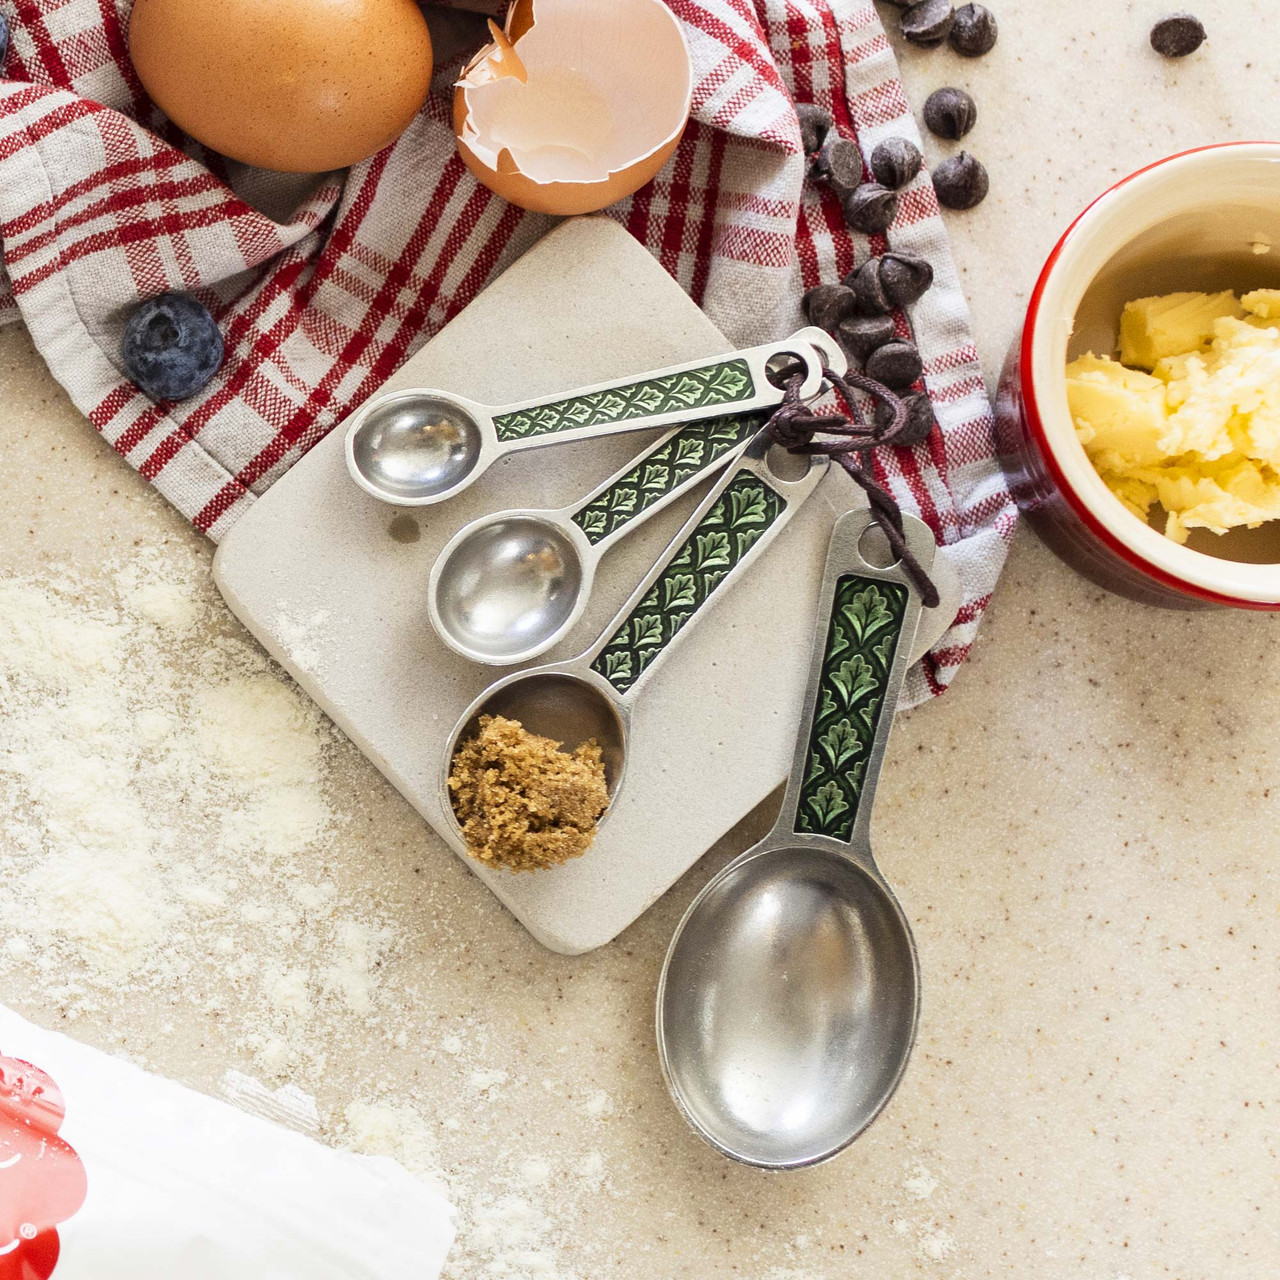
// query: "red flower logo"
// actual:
[[42, 1181]]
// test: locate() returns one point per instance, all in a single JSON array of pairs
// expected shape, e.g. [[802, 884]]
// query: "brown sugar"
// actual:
[[522, 802]]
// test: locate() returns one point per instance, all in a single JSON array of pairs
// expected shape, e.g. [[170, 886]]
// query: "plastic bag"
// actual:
[[109, 1173]]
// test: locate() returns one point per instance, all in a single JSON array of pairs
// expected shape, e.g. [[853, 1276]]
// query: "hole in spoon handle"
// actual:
[[853, 711], [671, 466]]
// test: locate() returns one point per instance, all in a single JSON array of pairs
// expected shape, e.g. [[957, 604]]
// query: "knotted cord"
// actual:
[[794, 426]]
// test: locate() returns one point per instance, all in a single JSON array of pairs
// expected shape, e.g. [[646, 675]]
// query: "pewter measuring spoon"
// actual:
[[506, 587], [591, 696], [789, 997], [415, 448]]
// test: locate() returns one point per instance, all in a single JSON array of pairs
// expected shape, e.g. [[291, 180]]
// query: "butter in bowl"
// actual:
[[1185, 426]]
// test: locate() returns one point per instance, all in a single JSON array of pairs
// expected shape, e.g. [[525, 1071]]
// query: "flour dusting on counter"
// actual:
[[166, 825], [161, 799]]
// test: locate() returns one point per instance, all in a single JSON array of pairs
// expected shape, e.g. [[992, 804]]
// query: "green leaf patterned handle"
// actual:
[[862, 641], [721, 384], [860, 658], [673, 464], [745, 508], [742, 514]]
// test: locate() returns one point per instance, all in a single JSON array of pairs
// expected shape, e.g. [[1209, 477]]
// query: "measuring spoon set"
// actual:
[[789, 997]]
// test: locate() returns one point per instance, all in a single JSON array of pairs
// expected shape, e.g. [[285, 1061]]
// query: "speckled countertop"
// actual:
[[1083, 832]]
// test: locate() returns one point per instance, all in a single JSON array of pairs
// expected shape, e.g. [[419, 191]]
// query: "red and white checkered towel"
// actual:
[[102, 201]]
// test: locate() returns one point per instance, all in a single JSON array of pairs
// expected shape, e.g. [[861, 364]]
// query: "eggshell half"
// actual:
[[302, 86], [604, 102]]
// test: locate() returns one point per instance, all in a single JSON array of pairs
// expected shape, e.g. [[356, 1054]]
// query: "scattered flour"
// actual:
[[486, 1081], [299, 635], [164, 825], [535, 1172], [920, 1184], [396, 1130], [508, 1236], [936, 1243], [598, 1105], [162, 809]]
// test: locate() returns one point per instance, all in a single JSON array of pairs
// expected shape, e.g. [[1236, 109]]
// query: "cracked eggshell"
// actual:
[[575, 105]]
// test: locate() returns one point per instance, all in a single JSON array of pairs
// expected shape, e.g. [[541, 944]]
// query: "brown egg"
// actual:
[[298, 85]]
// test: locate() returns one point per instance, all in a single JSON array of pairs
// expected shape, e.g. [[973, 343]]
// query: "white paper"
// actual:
[[183, 1187]]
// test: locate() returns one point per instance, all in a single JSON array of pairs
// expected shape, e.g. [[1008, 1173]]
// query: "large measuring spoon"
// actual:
[[419, 447], [591, 696], [788, 1001], [506, 587]]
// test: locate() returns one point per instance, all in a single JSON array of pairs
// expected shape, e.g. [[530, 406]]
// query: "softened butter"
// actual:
[[1189, 416]]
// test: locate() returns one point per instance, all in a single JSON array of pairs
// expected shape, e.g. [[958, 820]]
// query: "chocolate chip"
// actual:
[[961, 182], [868, 288], [861, 335], [839, 163], [827, 304], [950, 113], [893, 280], [1177, 35], [974, 31], [895, 161], [928, 22], [897, 364], [870, 208], [814, 123], [920, 419], [905, 277]]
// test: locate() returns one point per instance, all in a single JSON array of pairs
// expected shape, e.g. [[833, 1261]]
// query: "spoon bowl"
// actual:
[[507, 584], [560, 705], [413, 445], [821, 954]]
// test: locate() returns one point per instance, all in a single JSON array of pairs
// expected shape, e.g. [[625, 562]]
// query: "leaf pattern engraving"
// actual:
[[681, 588], [646, 631], [828, 803], [725, 383], [866, 622], [713, 549], [840, 743], [866, 613], [853, 678], [706, 557], [696, 448]]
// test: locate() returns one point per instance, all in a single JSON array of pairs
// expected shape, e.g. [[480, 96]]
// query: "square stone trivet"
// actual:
[[314, 571]]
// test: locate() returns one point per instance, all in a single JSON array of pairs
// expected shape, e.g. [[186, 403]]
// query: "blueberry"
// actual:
[[171, 346]]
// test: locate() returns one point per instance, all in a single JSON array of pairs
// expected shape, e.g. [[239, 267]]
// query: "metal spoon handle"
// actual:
[[860, 659], [734, 383], [744, 511], [679, 460]]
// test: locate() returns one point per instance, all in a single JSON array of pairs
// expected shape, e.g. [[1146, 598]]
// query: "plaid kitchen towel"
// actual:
[[323, 288]]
